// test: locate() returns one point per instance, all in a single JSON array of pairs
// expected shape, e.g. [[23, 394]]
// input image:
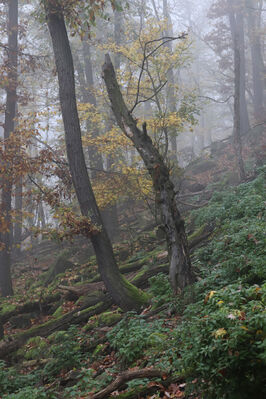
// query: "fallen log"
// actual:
[[140, 281], [124, 377], [205, 234], [61, 323], [81, 290], [41, 306]]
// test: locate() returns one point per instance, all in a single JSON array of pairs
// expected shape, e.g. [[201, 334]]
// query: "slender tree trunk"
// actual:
[[180, 267], [18, 222], [109, 214], [237, 108], [237, 29], [96, 162], [254, 33], [123, 293], [171, 99], [10, 113]]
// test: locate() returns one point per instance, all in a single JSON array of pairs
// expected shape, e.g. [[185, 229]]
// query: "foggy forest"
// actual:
[[132, 199]]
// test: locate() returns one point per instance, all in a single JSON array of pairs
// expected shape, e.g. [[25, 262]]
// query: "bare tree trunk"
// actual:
[[18, 222], [171, 100], [96, 162], [237, 108], [123, 293], [237, 29], [109, 214], [180, 267], [10, 113], [254, 32]]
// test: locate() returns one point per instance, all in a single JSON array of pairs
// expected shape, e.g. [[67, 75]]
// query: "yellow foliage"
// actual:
[[221, 332]]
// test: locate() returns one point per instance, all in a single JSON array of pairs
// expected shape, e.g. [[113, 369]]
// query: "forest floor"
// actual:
[[64, 338]]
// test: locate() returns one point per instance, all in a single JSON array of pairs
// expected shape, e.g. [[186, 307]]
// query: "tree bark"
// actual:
[[18, 222], [254, 33], [123, 293], [180, 266], [10, 113], [239, 71], [96, 162], [109, 214], [236, 21], [170, 98], [237, 110]]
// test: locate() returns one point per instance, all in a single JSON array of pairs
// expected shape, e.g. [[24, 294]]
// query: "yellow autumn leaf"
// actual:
[[209, 296], [221, 332]]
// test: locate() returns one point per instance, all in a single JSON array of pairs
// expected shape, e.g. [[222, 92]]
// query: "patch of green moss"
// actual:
[[140, 274], [109, 318], [58, 312], [140, 298], [103, 319], [95, 279], [98, 350], [6, 308], [197, 233], [87, 300], [90, 309], [34, 349]]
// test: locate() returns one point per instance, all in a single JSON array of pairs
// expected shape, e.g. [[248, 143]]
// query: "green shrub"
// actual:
[[160, 289], [30, 393], [11, 380], [222, 343], [132, 335], [238, 251], [64, 351]]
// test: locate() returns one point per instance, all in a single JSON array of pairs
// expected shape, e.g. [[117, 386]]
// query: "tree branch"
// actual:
[[163, 41], [124, 377]]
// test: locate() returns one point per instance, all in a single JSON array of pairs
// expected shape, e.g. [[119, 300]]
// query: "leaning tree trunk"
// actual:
[[109, 214], [180, 267], [95, 158], [123, 293], [10, 113]]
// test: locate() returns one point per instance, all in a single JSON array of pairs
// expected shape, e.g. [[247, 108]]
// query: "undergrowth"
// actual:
[[219, 345]]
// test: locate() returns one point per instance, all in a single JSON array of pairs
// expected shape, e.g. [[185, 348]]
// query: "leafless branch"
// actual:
[[162, 41], [217, 101]]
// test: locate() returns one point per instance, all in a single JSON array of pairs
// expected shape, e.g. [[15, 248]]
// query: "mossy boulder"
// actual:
[[105, 319]]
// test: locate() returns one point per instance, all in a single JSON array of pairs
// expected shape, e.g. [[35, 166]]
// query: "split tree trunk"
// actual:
[[180, 266], [123, 293], [10, 113]]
